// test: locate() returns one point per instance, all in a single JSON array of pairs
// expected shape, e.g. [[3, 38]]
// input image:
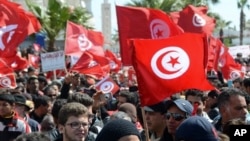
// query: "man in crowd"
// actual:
[[74, 122], [232, 104], [11, 125], [177, 111], [155, 119]]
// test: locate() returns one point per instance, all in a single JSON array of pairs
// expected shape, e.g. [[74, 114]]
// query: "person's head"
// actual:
[[119, 130], [196, 128], [51, 92], [82, 98], [32, 71], [47, 123], [21, 104], [57, 105], [76, 80], [73, 122], [237, 83], [155, 117], [6, 104], [34, 136], [232, 104], [177, 111], [212, 98], [198, 97], [43, 82], [120, 115], [130, 109], [43, 104], [33, 84], [246, 85], [127, 97]]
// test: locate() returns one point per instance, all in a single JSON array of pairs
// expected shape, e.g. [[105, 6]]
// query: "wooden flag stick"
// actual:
[[145, 124]]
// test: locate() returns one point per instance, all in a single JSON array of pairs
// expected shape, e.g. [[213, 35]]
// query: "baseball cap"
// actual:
[[159, 107], [196, 128], [182, 104], [21, 99]]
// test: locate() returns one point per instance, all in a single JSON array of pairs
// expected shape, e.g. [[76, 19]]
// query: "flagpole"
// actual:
[[145, 124], [54, 74]]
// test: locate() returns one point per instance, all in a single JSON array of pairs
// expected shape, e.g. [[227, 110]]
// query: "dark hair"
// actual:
[[71, 109], [197, 93], [226, 93], [43, 79], [82, 98], [34, 136], [131, 97], [57, 106], [41, 100], [31, 78], [246, 82]]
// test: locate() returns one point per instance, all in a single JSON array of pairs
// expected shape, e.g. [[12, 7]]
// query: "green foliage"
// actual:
[[54, 17]]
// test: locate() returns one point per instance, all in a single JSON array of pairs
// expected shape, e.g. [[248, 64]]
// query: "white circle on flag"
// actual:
[[198, 20], [170, 62], [234, 74], [83, 42], [107, 87], [112, 64], [5, 82], [92, 64], [159, 29]]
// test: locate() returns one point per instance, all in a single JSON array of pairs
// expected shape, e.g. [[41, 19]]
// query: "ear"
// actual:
[[60, 128]]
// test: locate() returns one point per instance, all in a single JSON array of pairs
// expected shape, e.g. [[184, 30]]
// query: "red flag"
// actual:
[[14, 26], [86, 65], [229, 67], [194, 19], [168, 66], [107, 85], [115, 63], [34, 60], [79, 40], [7, 76], [16, 62], [138, 22], [131, 76]]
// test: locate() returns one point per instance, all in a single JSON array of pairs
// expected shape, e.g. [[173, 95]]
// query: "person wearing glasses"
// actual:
[[177, 111], [73, 122]]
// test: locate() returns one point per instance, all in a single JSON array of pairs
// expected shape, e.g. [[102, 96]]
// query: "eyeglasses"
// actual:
[[77, 125], [176, 116]]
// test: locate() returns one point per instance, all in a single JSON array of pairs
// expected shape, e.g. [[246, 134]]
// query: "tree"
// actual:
[[164, 5], [242, 4], [54, 17]]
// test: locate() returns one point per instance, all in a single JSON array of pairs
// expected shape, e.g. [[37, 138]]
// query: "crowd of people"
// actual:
[[69, 108]]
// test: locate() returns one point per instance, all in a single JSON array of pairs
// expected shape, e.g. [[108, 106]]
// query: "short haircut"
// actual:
[[246, 82], [82, 98], [57, 106], [131, 97], [197, 93], [71, 109], [31, 78], [225, 95], [34, 136], [41, 100]]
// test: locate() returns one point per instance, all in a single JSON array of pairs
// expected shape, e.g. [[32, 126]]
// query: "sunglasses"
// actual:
[[175, 116]]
